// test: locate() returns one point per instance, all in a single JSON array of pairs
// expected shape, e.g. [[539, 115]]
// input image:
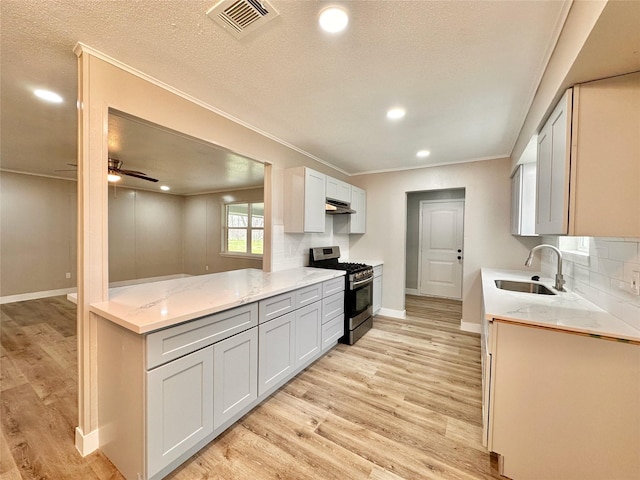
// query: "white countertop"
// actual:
[[150, 306], [565, 311]]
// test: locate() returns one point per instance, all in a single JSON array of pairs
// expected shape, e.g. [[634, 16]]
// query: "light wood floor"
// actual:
[[403, 403]]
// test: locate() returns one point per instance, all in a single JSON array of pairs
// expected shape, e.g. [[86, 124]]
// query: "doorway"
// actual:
[[440, 253], [435, 228]]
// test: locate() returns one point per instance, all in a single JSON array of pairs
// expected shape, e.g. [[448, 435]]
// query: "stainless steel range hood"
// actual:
[[336, 207]]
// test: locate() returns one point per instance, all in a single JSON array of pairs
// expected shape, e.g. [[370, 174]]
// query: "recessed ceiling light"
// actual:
[[396, 113], [48, 96], [333, 19], [165, 188], [423, 154]]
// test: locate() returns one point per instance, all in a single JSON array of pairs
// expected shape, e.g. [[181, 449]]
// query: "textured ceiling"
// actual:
[[465, 71]]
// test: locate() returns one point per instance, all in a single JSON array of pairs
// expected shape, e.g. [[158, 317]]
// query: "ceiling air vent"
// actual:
[[240, 17]]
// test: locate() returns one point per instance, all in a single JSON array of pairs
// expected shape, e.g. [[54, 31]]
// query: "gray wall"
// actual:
[[37, 234], [413, 227], [150, 234], [145, 234]]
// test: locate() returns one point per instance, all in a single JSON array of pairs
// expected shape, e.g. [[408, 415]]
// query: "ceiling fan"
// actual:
[[116, 171]]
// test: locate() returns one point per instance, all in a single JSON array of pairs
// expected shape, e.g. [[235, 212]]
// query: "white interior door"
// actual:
[[441, 253]]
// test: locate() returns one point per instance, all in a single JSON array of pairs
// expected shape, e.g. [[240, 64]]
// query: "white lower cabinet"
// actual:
[[166, 394], [377, 289], [179, 407], [235, 375], [308, 332], [276, 356], [561, 405], [332, 319]]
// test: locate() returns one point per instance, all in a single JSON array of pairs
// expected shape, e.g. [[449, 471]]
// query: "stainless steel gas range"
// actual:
[[358, 295]]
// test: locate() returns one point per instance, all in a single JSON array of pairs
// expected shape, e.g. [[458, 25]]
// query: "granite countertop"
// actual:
[[150, 306], [565, 311]]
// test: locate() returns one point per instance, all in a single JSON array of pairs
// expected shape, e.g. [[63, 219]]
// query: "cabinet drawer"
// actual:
[[332, 286], [308, 295], [276, 306], [171, 343], [332, 307], [332, 331]]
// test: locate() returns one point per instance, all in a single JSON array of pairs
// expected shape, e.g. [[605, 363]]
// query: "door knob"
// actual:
[[459, 257], [459, 251]]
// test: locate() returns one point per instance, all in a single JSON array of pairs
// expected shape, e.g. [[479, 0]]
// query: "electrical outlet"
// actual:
[[67, 275], [206, 267], [635, 282]]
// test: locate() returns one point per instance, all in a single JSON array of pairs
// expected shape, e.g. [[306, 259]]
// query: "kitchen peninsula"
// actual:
[[181, 360]]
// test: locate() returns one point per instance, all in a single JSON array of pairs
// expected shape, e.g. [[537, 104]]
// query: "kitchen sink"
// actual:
[[526, 287]]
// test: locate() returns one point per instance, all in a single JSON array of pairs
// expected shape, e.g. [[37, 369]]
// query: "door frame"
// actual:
[[420, 236]]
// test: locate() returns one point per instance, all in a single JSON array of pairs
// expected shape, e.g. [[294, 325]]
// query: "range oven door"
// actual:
[[359, 301]]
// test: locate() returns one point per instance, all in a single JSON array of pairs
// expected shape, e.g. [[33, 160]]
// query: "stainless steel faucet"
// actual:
[[559, 278]]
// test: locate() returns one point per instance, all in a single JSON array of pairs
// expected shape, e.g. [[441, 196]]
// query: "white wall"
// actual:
[[487, 238], [604, 276]]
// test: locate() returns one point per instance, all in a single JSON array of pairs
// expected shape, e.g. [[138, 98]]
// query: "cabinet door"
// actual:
[[344, 191], [179, 407], [552, 199], [235, 378], [308, 332], [338, 190], [357, 221], [314, 201], [276, 355]]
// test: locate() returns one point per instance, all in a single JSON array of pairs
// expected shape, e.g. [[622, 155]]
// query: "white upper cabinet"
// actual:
[[523, 200], [357, 221], [304, 197], [338, 190], [588, 174], [553, 170]]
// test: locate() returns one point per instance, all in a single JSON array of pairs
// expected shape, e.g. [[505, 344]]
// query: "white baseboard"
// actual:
[[88, 443], [388, 312], [35, 295], [411, 291], [470, 327]]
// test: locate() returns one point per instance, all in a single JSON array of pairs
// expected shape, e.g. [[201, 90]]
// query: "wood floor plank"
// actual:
[[8, 468]]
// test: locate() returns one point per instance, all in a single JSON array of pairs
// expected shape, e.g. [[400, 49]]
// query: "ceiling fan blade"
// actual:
[[142, 177], [125, 172]]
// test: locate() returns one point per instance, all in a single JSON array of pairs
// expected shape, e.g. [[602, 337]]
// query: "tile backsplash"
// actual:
[[291, 250], [603, 276]]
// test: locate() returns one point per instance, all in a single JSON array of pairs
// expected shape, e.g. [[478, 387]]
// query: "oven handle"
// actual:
[[362, 282]]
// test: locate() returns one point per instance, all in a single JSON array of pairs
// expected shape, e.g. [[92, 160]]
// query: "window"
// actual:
[[244, 228], [575, 245]]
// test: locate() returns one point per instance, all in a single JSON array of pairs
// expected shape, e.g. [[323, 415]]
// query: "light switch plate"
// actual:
[[635, 282]]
